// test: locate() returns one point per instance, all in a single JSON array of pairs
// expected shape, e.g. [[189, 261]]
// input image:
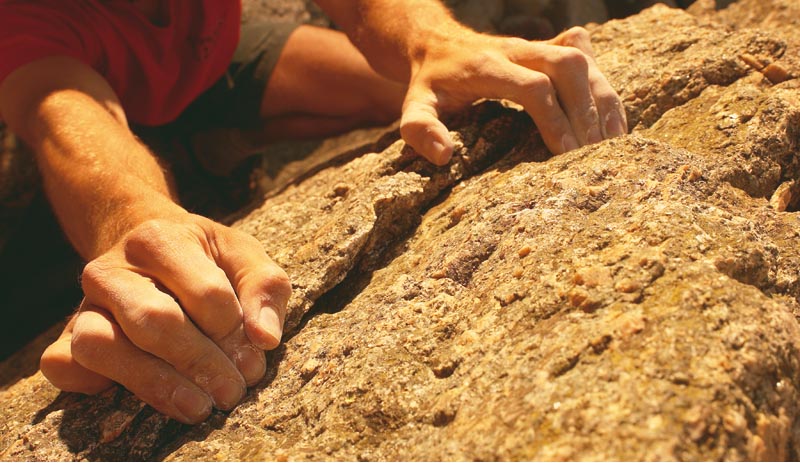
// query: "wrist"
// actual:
[[394, 35], [129, 214]]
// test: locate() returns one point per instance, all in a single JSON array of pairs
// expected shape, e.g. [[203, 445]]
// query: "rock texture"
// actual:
[[631, 300]]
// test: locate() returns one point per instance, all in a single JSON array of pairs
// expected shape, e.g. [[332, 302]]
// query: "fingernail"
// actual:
[[226, 392], [437, 147], [440, 155], [251, 364], [614, 125], [194, 405], [569, 143], [593, 135], [271, 323]]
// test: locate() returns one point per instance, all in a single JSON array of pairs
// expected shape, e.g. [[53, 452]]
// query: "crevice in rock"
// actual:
[[499, 130]]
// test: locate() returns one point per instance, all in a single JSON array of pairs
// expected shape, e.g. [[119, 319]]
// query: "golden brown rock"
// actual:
[[651, 317]]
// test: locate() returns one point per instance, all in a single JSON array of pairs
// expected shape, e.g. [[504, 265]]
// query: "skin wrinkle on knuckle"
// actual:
[[93, 277], [149, 230], [214, 240], [197, 362], [571, 61], [214, 289], [140, 243], [154, 237], [538, 86], [150, 325]]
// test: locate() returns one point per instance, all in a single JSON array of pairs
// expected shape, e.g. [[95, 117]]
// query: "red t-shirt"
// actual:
[[156, 71]]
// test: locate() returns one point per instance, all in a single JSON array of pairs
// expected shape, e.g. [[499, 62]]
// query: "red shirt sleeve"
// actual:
[[29, 32], [155, 70]]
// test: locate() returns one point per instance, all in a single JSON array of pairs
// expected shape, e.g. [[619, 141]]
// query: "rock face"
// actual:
[[631, 300]]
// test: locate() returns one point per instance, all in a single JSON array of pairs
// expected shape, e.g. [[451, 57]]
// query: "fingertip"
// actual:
[[251, 363], [193, 405], [615, 124], [440, 152], [421, 128], [267, 330], [568, 143], [430, 140]]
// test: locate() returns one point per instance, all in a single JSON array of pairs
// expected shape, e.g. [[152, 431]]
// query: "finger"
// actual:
[[181, 262], [154, 323], [248, 358], [576, 37], [568, 69], [535, 92], [613, 122], [263, 287], [60, 368], [204, 291], [420, 126], [100, 345]]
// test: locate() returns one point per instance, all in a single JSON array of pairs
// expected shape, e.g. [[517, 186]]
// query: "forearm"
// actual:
[[100, 180], [394, 34]]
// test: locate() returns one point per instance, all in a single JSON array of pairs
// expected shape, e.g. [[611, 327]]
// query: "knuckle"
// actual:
[[479, 62], [153, 323], [193, 361], [539, 96], [148, 237], [214, 287], [485, 62], [509, 44], [94, 275], [572, 59], [413, 129], [539, 85], [574, 36], [147, 230]]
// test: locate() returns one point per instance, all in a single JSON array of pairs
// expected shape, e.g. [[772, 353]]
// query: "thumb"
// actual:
[[263, 288], [61, 369], [421, 128]]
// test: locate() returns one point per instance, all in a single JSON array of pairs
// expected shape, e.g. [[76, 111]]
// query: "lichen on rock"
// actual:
[[631, 300]]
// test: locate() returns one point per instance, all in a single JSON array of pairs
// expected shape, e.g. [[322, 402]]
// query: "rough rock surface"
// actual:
[[632, 300]]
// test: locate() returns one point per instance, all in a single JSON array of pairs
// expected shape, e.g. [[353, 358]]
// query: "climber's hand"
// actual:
[[557, 82], [179, 312]]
